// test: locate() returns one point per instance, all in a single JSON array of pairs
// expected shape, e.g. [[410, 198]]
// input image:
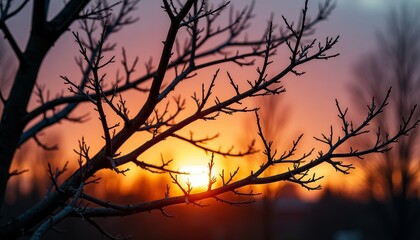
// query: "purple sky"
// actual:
[[356, 21]]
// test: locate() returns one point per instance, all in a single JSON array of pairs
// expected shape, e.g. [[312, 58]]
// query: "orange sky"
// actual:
[[310, 98]]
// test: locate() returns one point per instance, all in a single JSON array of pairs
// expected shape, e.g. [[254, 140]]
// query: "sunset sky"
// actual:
[[309, 98]]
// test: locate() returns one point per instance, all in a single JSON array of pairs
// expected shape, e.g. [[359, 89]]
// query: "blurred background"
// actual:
[[379, 47]]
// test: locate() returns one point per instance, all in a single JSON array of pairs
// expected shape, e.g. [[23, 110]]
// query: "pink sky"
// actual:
[[355, 21]]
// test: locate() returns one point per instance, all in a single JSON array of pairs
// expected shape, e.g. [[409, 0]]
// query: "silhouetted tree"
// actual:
[[392, 178], [164, 113]]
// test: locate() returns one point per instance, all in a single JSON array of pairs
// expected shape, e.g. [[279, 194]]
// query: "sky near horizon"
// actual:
[[355, 21]]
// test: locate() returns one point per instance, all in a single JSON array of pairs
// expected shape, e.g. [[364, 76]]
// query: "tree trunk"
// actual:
[[11, 125]]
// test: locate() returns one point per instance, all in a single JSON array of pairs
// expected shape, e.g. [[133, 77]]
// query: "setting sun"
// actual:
[[198, 175]]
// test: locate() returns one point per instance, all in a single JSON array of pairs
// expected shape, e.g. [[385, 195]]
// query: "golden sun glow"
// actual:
[[198, 175]]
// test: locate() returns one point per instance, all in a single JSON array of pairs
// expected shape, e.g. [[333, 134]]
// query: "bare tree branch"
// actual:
[[165, 113]]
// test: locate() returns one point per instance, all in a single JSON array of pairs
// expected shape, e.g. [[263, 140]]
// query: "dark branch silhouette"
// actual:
[[156, 117]]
